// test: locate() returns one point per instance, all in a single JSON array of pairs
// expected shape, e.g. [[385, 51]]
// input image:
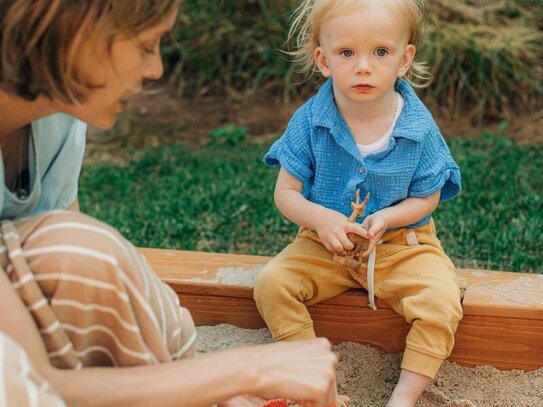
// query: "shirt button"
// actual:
[[361, 170]]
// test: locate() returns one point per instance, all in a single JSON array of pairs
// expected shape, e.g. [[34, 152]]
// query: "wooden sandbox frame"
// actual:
[[502, 324]]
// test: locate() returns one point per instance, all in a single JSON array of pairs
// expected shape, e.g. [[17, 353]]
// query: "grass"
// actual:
[[219, 198]]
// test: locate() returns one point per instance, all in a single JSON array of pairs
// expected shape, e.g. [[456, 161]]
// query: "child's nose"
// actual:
[[363, 65]]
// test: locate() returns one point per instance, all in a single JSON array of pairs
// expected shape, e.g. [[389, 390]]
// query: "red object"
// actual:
[[275, 403]]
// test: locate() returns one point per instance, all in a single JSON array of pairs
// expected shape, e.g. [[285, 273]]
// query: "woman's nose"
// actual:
[[154, 69]]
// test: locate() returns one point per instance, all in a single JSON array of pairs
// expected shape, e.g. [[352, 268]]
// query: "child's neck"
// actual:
[[369, 121]]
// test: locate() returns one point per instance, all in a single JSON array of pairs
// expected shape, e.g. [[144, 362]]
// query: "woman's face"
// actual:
[[118, 72]]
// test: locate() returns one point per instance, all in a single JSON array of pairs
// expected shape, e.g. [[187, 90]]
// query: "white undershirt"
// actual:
[[382, 143]]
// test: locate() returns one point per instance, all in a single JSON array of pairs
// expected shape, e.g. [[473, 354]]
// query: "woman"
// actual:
[[77, 298]]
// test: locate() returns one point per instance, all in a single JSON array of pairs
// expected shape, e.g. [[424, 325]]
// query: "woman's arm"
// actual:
[[295, 370], [331, 226]]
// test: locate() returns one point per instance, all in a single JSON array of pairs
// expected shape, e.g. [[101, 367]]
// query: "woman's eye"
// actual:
[[381, 52], [150, 48], [346, 53]]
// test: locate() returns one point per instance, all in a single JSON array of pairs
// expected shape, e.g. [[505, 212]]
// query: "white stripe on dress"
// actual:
[[81, 226], [12, 254], [95, 307], [50, 329], [100, 328], [139, 298], [26, 278], [83, 251], [82, 280], [32, 392], [38, 304], [61, 352], [185, 347]]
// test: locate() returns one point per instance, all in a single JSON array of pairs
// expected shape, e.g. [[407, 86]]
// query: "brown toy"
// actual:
[[360, 243]]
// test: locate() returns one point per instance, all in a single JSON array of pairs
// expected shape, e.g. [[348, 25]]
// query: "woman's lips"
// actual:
[[121, 104]]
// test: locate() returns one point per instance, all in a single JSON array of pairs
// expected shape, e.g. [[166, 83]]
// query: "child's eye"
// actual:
[[347, 53], [381, 52]]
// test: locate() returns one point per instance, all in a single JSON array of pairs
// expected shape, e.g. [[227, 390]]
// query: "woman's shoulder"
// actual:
[[59, 125]]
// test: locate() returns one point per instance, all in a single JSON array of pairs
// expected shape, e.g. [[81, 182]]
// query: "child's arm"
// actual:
[[331, 226], [404, 213]]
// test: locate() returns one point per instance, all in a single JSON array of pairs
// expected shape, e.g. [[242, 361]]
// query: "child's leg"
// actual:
[[420, 283], [302, 274]]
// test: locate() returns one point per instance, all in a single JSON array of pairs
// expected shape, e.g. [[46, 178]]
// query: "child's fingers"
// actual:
[[346, 243], [367, 252], [357, 229], [335, 246], [375, 230]]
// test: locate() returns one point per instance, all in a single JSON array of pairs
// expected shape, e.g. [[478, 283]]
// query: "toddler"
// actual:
[[365, 130]]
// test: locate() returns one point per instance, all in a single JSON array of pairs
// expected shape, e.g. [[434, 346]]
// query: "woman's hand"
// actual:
[[332, 228], [302, 371]]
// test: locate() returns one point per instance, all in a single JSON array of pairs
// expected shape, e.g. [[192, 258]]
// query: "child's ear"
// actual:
[[321, 62], [407, 59]]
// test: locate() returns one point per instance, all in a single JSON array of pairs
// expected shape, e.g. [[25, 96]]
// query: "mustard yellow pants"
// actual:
[[414, 276]]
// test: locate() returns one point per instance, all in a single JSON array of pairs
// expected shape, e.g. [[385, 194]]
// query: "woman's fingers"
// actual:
[[310, 373]]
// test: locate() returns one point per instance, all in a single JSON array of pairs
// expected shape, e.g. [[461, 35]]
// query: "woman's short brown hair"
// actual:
[[40, 40]]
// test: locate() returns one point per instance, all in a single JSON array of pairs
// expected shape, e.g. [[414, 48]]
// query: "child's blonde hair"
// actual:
[[311, 14]]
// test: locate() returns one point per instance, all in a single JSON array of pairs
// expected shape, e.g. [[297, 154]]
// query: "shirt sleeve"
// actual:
[[60, 156], [436, 170], [293, 150]]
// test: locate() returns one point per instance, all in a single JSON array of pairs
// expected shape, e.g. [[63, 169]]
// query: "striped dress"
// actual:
[[93, 297]]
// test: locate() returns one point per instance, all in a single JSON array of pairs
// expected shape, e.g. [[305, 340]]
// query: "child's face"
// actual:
[[364, 49]]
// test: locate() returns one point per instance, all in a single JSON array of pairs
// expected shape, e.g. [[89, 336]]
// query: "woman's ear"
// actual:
[[407, 59], [322, 62]]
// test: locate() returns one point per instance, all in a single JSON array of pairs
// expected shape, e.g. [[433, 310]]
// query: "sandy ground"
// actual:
[[368, 375]]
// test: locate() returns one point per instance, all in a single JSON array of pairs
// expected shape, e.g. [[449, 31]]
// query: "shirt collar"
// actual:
[[414, 121]]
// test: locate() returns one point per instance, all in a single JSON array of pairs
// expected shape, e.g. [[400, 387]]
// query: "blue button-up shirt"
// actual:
[[318, 149]]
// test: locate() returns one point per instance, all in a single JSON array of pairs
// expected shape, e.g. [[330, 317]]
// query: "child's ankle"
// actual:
[[402, 399], [408, 390]]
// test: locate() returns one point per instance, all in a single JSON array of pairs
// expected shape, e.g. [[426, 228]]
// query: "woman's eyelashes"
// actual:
[[150, 47]]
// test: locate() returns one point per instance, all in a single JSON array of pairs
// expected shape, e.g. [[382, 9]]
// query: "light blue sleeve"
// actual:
[[436, 170], [59, 148], [293, 150]]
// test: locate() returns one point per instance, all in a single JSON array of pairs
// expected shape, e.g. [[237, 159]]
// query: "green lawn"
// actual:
[[219, 198]]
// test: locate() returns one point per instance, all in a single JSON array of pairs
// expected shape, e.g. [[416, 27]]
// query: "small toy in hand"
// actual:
[[360, 243]]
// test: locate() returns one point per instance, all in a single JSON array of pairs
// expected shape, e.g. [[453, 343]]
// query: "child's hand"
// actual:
[[332, 228], [376, 225]]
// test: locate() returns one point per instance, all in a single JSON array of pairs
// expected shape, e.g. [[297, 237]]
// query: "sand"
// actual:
[[368, 375]]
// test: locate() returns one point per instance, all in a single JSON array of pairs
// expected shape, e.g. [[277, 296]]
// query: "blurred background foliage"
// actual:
[[486, 55]]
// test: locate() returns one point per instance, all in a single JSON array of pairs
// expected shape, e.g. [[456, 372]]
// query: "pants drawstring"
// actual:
[[411, 239]]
